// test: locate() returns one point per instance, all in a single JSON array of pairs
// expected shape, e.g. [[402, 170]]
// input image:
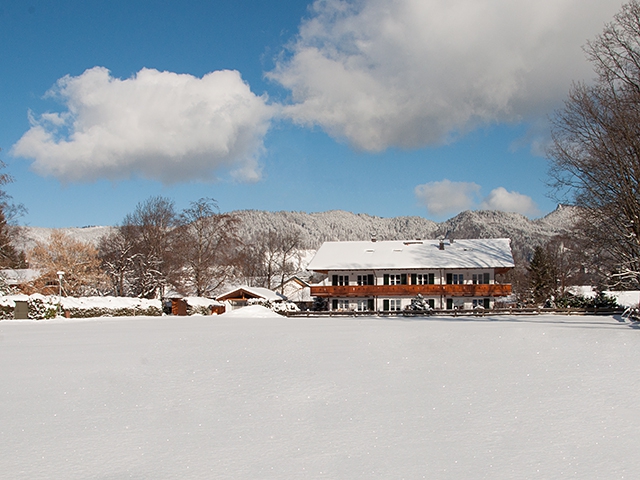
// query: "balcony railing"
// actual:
[[485, 290]]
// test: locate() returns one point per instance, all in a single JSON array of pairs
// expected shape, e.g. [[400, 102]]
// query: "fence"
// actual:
[[464, 313]]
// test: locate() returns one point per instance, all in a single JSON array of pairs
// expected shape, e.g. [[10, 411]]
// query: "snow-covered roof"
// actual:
[[255, 292], [201, 301], [413, 254], [19, 275]]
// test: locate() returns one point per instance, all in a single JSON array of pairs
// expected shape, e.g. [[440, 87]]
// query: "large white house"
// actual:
[[387, 275]]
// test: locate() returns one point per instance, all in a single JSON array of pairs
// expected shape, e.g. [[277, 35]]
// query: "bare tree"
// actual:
[[249, 266], [118, 259], [10, 257], [207, 242], [151, 232], [289, 247], [267, 259], [78, 260], [596, 145]]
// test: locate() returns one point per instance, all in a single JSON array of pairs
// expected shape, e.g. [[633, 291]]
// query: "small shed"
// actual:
[[239, 297], [178, 306], [191, 305]]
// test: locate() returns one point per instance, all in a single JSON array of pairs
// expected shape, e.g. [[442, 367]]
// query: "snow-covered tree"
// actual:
[[207, 243], [596, 145], [151, 232], [118, 262]]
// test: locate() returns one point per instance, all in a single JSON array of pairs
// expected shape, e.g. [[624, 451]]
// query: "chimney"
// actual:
[[441, 246]]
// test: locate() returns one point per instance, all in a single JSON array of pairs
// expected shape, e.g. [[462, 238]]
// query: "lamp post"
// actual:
[[60, 275]]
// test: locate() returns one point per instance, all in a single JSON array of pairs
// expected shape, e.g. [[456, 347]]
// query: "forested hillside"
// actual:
[[335, 225]]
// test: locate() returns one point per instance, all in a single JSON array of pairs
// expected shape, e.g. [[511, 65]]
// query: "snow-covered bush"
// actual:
[[88, 307], [601, 300], [279, 307], [320, 304], [7, 307], [419, 303], [41, 307], [200, 305], [283, 307]]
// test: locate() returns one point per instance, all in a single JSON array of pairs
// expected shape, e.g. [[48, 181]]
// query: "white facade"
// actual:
[[386, 276]]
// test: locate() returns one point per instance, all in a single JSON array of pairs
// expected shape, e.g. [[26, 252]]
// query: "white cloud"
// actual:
[[501, 199], [446, 197], [410, 73], [159, 125]]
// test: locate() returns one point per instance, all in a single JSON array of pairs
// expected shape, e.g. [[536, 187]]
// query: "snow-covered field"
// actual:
[[245, 395]]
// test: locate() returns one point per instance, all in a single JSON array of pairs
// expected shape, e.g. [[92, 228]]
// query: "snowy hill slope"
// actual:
[[30, 235], [316, 228], [339, 225]]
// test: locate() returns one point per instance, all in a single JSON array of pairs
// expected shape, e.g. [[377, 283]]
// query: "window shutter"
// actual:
[[449, 278], [432, 279], [486, 278], [386, 279], [370, 279], [334, 281], [370, 305], [334, 304], [414, 279], [385, 305], [403, 279]]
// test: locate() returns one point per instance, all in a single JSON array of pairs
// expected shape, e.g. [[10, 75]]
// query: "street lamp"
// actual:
[[60, 275]]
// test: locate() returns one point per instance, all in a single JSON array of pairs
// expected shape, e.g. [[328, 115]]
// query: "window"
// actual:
[[339, 280], [365, 279], [391, 305], [343, 304], [337, 304], [389, 279], [481, 278], [363, 305], [395, 304], [455, 278], [481, 303], [422, 278]]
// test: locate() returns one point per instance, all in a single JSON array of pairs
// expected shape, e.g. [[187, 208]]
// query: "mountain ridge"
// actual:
[[341, 225]]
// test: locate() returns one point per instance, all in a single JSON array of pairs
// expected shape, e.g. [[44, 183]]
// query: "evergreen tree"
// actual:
[[542, 276]]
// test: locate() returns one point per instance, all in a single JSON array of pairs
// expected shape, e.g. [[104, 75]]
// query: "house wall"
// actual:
[[407, 277], [364, 278]]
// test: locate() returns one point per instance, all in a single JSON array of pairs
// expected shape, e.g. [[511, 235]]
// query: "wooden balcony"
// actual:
[[491, 290]]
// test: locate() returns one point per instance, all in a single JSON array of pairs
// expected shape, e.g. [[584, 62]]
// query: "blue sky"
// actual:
[[385, 107]]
